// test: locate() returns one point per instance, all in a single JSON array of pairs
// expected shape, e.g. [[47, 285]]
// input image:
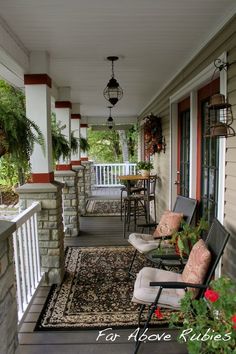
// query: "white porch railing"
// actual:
[[26, 256], [106, 173]]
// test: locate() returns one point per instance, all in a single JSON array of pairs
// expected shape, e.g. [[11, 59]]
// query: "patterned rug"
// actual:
[[102, 207], [96, 291]]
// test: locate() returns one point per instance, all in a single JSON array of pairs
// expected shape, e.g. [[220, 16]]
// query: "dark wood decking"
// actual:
[[95, 231]]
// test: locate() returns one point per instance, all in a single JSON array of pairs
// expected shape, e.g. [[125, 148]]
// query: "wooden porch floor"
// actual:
[[95, 231]]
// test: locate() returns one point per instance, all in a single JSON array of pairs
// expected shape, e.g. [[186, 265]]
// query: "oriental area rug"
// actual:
[[103, 207], [96, 291]]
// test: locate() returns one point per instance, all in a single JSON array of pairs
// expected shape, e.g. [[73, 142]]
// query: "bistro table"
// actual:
[[146, 179]]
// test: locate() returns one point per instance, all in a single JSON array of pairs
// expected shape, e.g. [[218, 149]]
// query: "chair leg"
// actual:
[[131, 265], [151, 312]]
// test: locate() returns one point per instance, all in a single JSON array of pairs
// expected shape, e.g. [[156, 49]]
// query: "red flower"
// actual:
[[234, 321], [158, 313], [211, 295]]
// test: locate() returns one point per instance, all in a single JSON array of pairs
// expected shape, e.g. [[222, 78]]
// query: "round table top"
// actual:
[[135, 177]]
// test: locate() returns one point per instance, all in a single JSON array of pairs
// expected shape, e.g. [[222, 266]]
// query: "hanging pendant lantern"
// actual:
[[110, 122], [113, 92]]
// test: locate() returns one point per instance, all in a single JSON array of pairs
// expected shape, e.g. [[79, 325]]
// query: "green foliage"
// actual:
[[144, 165], [104, 146], [60, 145], [188, 236], [17, 133], [213, 318]]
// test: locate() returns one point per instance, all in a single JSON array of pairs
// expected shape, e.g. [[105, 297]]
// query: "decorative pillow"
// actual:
[[169, 223], [197, 265]]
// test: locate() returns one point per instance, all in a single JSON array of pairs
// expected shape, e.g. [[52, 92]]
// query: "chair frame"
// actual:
[[216, 241], [177, 208]]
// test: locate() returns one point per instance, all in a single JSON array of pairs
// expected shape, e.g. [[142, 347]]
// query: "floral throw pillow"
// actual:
[[197, 265], [169, 223]]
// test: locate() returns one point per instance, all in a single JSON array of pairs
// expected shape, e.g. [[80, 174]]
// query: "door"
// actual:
[[183, 162], [208, 157]]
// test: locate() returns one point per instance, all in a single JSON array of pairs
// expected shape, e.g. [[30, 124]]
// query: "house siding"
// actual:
[[223, 41]]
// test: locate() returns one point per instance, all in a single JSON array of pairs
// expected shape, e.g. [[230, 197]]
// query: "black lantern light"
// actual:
[[113, 92], [110, 121]]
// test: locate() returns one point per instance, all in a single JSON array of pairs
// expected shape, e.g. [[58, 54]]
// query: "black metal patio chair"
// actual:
[[152, 289]]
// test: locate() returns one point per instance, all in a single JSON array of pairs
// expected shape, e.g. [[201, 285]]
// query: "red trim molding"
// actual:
[[63, 104], [42, 177], [37, 79], [63, 167], [75, 116], [84, 159], [75, 162], [83, 125]]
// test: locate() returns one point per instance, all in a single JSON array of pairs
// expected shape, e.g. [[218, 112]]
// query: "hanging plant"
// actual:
[[17, 133], [84, 145], [60, 145], [74, 144]]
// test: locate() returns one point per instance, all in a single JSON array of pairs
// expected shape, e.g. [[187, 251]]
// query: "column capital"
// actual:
[[84, 125], [37, 79], [75, 116], [63, 104]]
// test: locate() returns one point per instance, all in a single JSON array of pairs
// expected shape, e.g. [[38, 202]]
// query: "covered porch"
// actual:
[[172, 57]]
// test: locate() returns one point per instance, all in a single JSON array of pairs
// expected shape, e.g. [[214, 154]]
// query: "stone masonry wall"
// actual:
[[50, 226], [88, 177], [70, 201], [8, 305], [81, 189]]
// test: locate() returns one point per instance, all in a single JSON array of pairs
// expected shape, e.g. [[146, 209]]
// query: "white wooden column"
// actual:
[[75, 128], [63, 114], [83, 134], [38, 109]]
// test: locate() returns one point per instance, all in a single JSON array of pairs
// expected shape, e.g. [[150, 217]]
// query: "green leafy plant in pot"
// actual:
[[144, 167], [188, 236]]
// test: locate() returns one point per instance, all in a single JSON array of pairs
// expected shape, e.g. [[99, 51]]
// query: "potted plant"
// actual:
[[209, 324], [144, 167], [188, 236], [84, 145], [60, 145]]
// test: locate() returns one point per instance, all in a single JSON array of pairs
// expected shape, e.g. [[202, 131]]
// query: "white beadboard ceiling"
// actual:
[[153, 38]]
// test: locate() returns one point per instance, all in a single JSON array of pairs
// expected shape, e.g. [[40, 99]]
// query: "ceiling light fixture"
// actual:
[[113, 92], [110, 121]]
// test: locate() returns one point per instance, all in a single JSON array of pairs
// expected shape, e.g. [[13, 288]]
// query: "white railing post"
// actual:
[[106, 174], [26, 256]]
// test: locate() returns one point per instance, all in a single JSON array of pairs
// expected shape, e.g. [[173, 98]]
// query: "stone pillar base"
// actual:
[[70, 201], [8, 306], [50, 226], [88, 177], [80, 170]]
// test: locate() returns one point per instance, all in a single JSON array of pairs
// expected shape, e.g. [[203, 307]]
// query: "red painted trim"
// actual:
[[83, 125], [182, 107], [76, 162], [203, 94], [63, 167], [84, 159], [75, 116], [63, 104], [42, 177], [37, 79]]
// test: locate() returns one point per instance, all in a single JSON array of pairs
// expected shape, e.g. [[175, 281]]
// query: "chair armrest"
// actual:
[[153, 224], [168, 257], [177, 285]]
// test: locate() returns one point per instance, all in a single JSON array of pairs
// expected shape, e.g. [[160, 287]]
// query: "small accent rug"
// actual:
[[103, 207], [96, 291]]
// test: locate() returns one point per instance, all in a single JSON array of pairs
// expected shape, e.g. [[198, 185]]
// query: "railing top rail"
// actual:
[[26, 214], [115, 164]]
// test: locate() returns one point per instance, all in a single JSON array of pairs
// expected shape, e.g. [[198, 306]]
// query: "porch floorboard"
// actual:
[[95, 231]]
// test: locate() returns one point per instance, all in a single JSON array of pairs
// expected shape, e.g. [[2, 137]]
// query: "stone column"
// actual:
[[88, 173], [81, 189], [50, 226], [70, 201], [8, 305]]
